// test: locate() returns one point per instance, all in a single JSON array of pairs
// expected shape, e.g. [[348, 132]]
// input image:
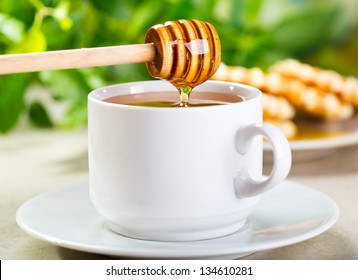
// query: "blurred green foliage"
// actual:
[[252, 33]]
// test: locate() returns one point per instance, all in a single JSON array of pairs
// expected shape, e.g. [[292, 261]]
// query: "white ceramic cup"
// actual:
[[180, 174]]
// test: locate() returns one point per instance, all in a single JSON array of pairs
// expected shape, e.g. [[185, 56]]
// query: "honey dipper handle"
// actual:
[[77, 58]]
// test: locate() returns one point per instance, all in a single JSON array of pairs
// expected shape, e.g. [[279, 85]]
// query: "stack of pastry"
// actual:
[[278, 111], [302, 88], [346, 88]]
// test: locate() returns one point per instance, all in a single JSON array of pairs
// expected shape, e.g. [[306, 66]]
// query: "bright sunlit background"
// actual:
[[253, 33]]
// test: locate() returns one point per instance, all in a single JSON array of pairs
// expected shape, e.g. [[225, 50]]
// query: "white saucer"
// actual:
[[288, 214]]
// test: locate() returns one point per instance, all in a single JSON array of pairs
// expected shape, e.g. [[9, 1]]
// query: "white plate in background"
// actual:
[[338, 135]]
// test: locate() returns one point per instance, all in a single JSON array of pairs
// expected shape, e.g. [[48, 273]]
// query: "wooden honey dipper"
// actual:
[[184, 52]]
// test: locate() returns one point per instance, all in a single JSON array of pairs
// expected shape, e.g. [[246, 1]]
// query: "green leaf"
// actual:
[[60, 13], [67, 85], [12, 90], [143, 17], [93, 76], [118, 9], [222, 10], [305, 29], [34, 41], [71, 87], [51, 3], [76, 116], [39, 116], [22, 10], [11, 28], [252, 9]]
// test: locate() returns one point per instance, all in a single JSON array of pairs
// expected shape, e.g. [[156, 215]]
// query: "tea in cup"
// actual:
[[162, 172]]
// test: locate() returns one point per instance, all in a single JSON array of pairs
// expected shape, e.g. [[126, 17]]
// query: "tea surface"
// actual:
[[170, 99]]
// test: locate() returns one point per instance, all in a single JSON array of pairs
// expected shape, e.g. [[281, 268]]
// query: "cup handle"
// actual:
[[244, 185]]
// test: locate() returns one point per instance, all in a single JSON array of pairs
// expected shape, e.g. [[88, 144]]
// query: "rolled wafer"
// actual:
[[309, 100], [276, 107], [326, 80]]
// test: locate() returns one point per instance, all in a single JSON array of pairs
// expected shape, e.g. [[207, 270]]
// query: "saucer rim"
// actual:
[[204, 252]]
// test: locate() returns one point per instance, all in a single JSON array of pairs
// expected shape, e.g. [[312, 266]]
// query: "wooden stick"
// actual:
[[77, 58]]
